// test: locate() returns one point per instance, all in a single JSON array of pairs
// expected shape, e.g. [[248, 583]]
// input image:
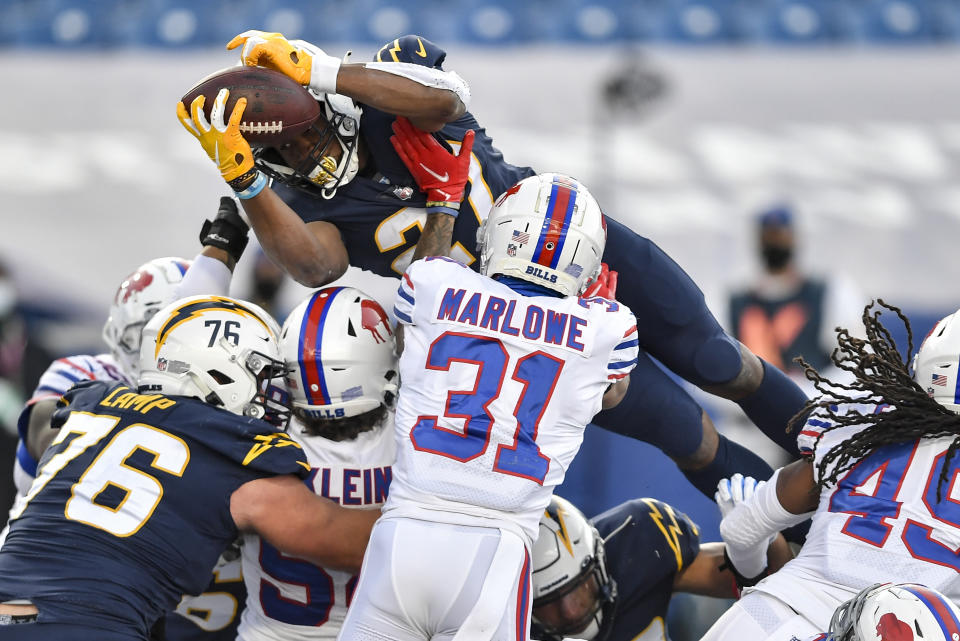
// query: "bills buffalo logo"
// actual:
[[135, 282], [372, 317], [507, 194], [890, 628]]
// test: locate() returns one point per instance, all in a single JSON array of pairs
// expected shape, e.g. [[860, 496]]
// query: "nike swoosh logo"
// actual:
[[444, 178], [421, 52]]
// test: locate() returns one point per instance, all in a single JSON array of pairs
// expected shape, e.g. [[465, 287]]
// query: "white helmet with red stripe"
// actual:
[[339, 348], [902, 611], [546, 229], [936, 363], [141, 294]]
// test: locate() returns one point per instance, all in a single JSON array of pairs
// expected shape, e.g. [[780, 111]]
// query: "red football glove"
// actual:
[[442, 175], [604, 286]]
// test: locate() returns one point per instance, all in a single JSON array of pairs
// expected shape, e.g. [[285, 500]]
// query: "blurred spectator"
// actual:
[[266, 286], [22, 361], [22, 358], [787, 313]]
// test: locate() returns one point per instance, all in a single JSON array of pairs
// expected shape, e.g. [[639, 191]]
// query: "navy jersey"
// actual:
[[131, 506], [655, 543], [215, 614], [381, 212]]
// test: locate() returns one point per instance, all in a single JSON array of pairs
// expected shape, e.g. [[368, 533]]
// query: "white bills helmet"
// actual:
[[152, 286], [340, 353], [546, 229], [936, 362], [903, 611], [567, 555], [221, 350]]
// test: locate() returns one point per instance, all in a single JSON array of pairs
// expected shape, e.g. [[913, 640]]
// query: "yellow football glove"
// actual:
[[223, 143], [307, 64]]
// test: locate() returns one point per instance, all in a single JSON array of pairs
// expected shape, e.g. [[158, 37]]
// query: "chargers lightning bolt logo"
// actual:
[[670, 528], [555, 512], [195, 308]]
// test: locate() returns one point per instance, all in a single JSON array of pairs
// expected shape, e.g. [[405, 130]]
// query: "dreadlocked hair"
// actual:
[[881, 377]]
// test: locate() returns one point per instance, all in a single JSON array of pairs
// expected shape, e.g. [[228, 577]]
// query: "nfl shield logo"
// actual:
[[511, 250], [161, 364]]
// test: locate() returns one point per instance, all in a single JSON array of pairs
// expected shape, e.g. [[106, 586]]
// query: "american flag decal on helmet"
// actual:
[[519, 237], [940, 379]]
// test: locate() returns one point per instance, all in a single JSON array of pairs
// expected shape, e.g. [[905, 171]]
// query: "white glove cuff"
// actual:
[[753, 522], [324, 70]]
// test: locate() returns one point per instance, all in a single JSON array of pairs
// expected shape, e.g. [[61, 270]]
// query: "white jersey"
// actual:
[[289, 599], [881, 523], [496, 390]]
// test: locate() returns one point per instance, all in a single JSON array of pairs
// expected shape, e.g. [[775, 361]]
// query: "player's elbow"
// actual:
[[317, 272], [443, 106], [449, 106], [615, 393]]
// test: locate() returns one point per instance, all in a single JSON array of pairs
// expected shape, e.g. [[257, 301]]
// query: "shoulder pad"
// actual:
[[254, 444]]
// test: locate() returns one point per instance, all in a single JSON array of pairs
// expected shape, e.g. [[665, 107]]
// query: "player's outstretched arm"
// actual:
[[705, 576], [754, 512], [223, 239], [441, 175], [312, 253], [296, 521], [429, 97], [39, 432], [428, 108]]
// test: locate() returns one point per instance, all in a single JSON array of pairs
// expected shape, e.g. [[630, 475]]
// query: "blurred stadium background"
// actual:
[[684, 116]]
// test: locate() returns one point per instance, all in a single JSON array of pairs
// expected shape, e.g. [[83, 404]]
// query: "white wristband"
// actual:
[[755, 520], [324, 70]]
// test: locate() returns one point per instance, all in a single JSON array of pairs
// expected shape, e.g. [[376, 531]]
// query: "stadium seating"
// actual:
[[186, 23]]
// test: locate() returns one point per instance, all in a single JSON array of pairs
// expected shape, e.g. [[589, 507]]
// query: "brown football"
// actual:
[[278, 109]]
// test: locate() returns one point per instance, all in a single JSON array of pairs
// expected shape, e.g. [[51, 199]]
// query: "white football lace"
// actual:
[[271, 127]]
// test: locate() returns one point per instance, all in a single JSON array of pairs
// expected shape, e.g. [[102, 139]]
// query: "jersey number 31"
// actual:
[[537, 372]]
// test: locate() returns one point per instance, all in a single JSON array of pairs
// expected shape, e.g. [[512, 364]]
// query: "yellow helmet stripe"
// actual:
[[195, 308]]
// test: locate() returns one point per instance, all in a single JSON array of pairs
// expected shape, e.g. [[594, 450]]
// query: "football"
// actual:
[[278, 109]]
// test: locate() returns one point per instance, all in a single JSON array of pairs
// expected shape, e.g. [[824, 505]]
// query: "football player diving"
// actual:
[[340, 194], [141, 491], [610, 578]]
